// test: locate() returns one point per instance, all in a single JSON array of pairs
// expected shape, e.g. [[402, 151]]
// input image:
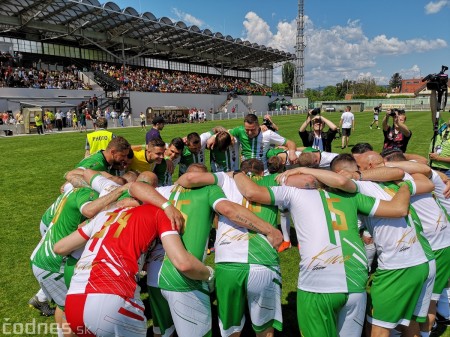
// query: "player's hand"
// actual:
[[446, 191], [434, 156], [127, 202], [292, 157], [211, 142], [275, 238], [348, 174], [175, 217], [282, 177], [170, 166]]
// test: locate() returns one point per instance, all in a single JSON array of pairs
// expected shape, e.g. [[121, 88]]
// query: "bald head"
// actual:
[[368, 160], [149, 178]]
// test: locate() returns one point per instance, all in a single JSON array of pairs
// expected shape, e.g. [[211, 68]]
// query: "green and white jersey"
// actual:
[[240, 245], [65, 221], [433, 217], [439, 188], [50, 212], [197, 206], [96, 161], [164, 176], [397, 242], [188, 158], [225, 161], [332, 255], [257, 147]]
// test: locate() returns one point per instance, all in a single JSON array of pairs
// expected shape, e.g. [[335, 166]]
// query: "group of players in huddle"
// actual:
[[119, 215]]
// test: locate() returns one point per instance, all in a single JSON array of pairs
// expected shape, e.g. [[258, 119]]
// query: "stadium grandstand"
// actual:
[[75, 49]]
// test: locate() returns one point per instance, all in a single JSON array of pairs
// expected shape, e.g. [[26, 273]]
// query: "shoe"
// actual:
[[43, 307], [378, 128], [370, 127], [284, 245], [442, 320]]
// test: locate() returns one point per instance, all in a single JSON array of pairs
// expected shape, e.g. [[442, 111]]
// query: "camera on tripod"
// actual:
[[437, 81]]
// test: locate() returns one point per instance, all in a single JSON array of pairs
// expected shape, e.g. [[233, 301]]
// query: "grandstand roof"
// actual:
[[108, 27]]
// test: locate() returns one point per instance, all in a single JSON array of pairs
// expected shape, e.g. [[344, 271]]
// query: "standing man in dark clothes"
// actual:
[[153, 133]]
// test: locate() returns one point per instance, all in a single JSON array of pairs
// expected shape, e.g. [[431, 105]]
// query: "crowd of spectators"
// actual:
[[157, 80], [22, 77]]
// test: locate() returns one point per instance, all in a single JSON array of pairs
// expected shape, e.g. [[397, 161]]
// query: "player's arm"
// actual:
[[250, 190], [291, 151], [70, 243], [380, 174], [416, 157], [398, 206], [385, 121], [245, 218], [148, 194], [185, 262], [411, 167], [423, 184], [75, 177], [326, 177], [94, 207], [196, 179]]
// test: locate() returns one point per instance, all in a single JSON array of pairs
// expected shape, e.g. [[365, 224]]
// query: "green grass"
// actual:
[[32, 171]]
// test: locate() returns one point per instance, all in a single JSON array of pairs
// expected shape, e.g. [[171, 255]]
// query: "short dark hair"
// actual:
[[193, 138], [254, 166], [251, 119], [361, 148], [393, 154], [102, 122], [223, 141], [343, 157], [178, 143], [119, 144], [274, 165], [157, 142]]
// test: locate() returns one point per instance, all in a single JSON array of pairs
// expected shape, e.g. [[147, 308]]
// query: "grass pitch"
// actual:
[[32, 169]]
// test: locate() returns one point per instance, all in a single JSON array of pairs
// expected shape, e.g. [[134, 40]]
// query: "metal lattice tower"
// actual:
[[299, 86]]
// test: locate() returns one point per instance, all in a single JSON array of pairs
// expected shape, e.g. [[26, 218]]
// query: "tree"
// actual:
[[287, 74], [395, 81]]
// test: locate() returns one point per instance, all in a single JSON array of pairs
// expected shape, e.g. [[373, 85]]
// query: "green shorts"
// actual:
[[162, 319], [442, 271], [254, 286], [394, 295], [317, 313], [69, 269]]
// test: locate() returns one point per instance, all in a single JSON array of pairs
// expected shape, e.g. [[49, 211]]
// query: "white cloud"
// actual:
[[187, 18], [337, 53], [435, 7]]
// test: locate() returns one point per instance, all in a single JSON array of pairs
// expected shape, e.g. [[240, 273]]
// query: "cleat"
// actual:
[[43, 307], [442, 320], [284, 245], [370, 127]]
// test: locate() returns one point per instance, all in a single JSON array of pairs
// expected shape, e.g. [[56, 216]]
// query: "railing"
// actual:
[[241, 115]]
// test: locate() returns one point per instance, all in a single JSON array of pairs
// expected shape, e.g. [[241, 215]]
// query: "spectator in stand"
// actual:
[[346, 124], [154, 132], [317, 138], [397, 135]]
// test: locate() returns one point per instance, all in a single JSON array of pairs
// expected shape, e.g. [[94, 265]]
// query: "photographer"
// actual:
[[317, 138], [397, 135], [268, 122]]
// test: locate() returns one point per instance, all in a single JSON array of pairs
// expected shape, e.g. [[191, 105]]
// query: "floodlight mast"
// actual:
[[299, 86]]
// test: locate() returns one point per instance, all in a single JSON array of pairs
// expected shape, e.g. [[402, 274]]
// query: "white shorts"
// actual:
[[351, 316], [106, 315], [191, 312], [52, 284], [423, 303], [375, 117]]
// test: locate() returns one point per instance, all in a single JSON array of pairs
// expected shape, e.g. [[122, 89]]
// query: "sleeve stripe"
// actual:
[[217, 201], [375, 207], [83, 234], [169, 233]]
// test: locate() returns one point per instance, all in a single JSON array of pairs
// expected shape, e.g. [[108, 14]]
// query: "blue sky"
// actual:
[[346, 39]]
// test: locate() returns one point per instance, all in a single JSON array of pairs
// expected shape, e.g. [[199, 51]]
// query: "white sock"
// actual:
[[41, 296], [285, 222], [60, 332]]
